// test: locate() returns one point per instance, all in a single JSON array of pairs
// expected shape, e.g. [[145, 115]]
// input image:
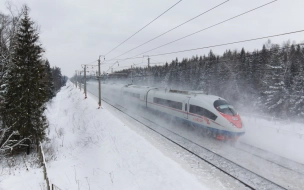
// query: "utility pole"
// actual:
[[85, 66], [76, 79], [85, 82], [80, 80], [131, 75], [149, 71], [132, 68], [99, 86], [148, 81]]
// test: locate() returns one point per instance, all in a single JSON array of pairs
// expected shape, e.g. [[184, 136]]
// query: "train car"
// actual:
[[210, 112]]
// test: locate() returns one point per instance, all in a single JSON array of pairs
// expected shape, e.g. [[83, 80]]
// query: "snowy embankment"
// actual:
[[90, 148]]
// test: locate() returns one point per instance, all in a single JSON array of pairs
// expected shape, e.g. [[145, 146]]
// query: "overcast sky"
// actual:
[[76, 32]]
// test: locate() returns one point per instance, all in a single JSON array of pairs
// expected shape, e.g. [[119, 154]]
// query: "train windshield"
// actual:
[[224, 107]]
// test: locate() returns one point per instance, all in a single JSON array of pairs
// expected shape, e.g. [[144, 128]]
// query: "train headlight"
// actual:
[[235, 118]]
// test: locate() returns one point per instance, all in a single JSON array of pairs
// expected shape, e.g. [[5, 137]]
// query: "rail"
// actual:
[[223, 164]]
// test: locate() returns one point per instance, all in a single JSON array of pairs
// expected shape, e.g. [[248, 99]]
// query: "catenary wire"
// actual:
[[207, 28], [170, 30], [91, 62], [143, 27], [217, 45], [242, 41], [136, 57]]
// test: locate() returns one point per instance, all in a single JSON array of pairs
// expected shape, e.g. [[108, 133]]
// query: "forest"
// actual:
[[27, 82], [266, 81]]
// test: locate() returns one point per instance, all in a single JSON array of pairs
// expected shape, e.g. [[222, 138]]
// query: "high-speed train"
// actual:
[[209, 112]]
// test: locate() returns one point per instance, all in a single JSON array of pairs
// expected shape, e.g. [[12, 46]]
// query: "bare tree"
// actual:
[[8, 27], [9, 140]]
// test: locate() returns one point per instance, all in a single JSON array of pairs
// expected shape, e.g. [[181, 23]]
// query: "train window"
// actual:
[[169, 103], [131, 94], [224, 107], [202, 111], [186, 107]]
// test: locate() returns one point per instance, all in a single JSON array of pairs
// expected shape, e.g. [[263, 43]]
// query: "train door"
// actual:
[[149, 97], [186, 107]]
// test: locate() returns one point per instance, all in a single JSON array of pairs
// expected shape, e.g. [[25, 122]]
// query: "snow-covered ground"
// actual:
[[90, 148], [21, 172], [281, 138], [20, 178]]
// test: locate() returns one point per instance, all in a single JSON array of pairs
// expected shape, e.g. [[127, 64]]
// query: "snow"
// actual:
[[276, 136], [21, 172], [95, 150], [22, 179], [90, 148]]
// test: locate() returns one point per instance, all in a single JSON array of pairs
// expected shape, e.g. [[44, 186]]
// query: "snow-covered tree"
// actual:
[[296, 81], [8, 29], [49, 80], [275, 91], [201, 83], [165, 75], [57, 78], [25, 93]]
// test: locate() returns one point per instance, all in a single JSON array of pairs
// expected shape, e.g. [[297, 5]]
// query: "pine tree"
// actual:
[[201, 83], [212, 74], [49, 80], [275, 93], [297, 81], [57, 78], [259, 73], [25, 94]]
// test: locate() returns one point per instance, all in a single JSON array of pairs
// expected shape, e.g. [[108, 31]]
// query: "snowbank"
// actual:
[[21, 172], [90, 148]]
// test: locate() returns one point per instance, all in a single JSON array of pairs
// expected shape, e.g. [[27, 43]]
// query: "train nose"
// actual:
[[236, 120]]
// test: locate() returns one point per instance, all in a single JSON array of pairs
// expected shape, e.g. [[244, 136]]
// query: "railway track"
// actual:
[[248, 177], [269, 157], [273, 159], [244, 176]]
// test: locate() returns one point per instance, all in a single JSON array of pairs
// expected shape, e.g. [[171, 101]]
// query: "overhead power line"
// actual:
[[208, 27], [242, 41], [144, 27], [217, 45], [111, 66], [218, 61], [171, 29], [91, 62]]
